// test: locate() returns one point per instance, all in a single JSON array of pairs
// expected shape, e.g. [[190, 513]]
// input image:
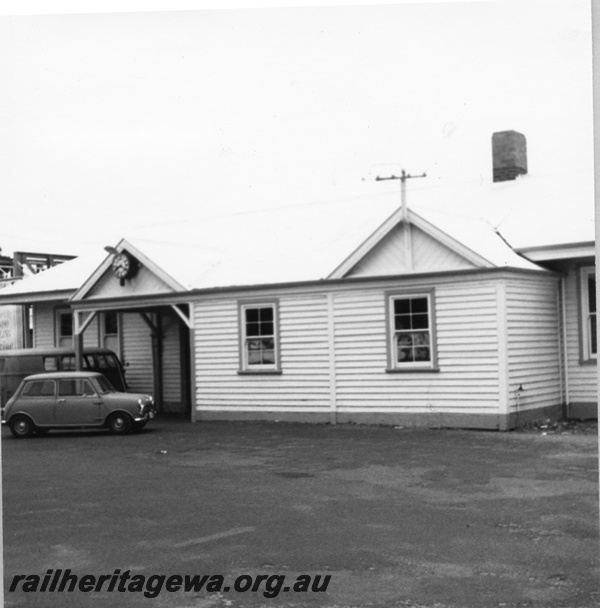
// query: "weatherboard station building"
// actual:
[[367, 313]]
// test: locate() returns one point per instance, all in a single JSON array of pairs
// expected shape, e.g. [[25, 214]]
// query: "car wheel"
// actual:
[[21, 427], [119, 424]]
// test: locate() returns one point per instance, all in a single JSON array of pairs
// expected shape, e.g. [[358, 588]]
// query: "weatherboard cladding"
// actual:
[[44, 335], [363, 384], [352, 355], [304, 354], [171, 363], [45, 328], [137, 353], [533, 340]]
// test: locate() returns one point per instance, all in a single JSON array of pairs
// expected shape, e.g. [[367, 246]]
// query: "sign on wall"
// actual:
[[11, 327]]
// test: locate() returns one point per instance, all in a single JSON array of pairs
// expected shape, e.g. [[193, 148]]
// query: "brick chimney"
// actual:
[[509, 152]]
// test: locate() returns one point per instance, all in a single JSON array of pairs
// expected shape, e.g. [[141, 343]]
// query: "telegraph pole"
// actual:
[[408, 249]]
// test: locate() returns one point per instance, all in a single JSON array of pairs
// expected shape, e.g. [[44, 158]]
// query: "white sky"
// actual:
[[114, 121]]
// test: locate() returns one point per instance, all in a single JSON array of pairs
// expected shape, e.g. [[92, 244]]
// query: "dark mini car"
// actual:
[[67, 400]]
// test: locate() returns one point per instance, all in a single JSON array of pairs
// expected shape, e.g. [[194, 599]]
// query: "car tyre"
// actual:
[[21, 427], [119, 423]]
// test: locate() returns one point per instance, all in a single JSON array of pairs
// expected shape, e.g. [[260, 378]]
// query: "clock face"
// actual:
[[121, 265]]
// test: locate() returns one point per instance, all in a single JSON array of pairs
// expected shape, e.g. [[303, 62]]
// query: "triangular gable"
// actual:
[[149, 280], [433, 249], [389, 256]]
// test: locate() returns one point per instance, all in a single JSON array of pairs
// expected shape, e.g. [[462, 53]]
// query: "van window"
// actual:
[[50, 364], [39, 388], [67, 363], [102, 362]]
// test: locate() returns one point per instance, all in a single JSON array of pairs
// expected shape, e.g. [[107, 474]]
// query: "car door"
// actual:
[[37, 399], [77, 403]]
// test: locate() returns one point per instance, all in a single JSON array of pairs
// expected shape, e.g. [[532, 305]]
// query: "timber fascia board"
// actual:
[[62, 295], [563, 251]]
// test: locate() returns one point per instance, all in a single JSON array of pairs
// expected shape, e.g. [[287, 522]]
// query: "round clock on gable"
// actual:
[[123, 265]]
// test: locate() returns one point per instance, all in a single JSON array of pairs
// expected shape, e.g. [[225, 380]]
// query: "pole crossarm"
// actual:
[[408, 248], [402, 177]]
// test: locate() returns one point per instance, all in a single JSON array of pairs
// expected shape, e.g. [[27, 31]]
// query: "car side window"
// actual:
[[75, 387], [39, 388]]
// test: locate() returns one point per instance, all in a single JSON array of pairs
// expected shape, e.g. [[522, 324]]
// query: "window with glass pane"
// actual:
[[110, 331], [111, 323], [75, 388], [40, 388], [65, 328], [591, 314], [259, 337], [67, 363], [412, 331]]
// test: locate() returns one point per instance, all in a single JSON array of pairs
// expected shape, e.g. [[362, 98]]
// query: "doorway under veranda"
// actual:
[[154, 344]]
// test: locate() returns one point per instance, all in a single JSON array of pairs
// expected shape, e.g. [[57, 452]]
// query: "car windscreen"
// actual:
[[104, 385]]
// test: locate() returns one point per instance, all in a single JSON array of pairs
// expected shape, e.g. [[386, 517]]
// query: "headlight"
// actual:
[[143, 402]]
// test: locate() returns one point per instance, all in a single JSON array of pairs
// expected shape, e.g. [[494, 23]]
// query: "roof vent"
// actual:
[[509, 150]]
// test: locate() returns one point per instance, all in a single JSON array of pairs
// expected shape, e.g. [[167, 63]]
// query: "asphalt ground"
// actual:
[[396, 517]]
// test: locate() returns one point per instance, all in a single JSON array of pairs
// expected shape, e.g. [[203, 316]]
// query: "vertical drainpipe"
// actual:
[[565, 365]]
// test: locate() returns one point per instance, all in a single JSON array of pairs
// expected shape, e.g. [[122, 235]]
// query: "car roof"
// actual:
[[62, 375]]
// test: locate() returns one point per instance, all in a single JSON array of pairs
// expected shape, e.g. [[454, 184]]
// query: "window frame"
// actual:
[[78, 383], [585, 334], [393, 365], [25, 392], [59, 312], [263, 368], [104, 337]]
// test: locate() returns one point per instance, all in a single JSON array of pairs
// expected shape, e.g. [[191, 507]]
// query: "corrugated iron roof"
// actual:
[[307, 242]]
